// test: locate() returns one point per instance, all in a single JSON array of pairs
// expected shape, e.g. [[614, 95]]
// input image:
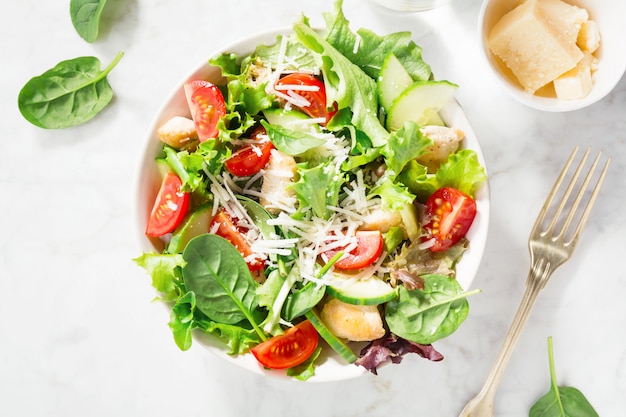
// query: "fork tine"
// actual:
[[592, 198], [557, 214], [555, 188]]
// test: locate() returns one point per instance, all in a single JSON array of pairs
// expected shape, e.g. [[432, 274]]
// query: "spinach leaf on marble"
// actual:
[[71, 93], [561, 401], [85, 15]]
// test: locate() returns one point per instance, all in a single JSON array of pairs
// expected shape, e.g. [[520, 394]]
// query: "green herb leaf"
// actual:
[[425, 316], [218, 275], [69, 94], [561, 401], [85, 16]]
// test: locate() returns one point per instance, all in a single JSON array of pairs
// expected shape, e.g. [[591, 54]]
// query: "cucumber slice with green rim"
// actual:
[[333, 341], [419, 103], [369, 291], [194, 224], [291, 119], [392, 81]]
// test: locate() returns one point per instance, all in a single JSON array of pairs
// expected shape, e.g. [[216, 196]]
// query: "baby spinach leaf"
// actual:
[[424, 316], [85, 16], [218, 275], [561, 401], [289, 141], [69, 94]]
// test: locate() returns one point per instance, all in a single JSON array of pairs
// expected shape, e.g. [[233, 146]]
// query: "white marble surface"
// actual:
[[78, 332]]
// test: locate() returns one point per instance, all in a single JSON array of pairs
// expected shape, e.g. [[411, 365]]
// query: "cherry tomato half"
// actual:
[[251, 158], [169, 208], [451, 214], [369, 247], [317, 98], [226, 227], [287, 350], [207, 106]]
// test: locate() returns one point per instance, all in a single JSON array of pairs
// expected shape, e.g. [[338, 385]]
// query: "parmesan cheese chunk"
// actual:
[[537, 41], [588, 39], [576, 83]]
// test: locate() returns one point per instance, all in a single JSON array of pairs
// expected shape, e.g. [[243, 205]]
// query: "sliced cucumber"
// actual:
[[292, 119], [369, 291], [419, 103], [392, 81], [333, 341], [195, 224], [409, 219], [433, 118]]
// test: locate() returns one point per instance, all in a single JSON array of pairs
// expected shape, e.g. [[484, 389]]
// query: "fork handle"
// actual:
[[535, 282]]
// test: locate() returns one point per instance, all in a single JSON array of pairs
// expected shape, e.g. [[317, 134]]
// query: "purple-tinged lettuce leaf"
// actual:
[[392, 349]]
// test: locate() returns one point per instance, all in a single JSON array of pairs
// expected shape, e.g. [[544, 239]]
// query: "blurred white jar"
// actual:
[[411, 5]]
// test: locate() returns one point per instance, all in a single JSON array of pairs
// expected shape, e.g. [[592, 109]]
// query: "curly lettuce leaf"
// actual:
[[462, 171], [394, 195], [165, 271], [300, 58], [319, 188], [347, 85], [403, 146], [368, 50]]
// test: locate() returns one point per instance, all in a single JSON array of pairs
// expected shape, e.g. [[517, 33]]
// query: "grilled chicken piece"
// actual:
[[358, 323], [180, 133], [279, 172], [446, 140]]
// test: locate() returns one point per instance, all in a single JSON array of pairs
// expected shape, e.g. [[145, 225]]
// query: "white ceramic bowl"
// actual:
[[331, 367], [609, 14]]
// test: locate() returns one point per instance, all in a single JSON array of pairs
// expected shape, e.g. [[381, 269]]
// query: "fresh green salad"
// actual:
[[316, 196]]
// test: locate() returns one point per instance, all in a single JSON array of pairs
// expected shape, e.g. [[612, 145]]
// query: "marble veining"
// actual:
[[79, 334]]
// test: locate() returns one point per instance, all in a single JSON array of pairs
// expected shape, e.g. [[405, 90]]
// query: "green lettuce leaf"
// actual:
[[393, 195], [299, 58], [319, 187], [404, 145], [347, 85], [372, 48], [165, 271], [462, 171]]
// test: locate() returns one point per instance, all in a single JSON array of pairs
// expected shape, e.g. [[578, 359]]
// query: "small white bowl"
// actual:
[[609, 14], [331, 367]]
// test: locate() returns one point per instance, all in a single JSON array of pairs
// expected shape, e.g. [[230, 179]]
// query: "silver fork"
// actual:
[[551, 243]]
